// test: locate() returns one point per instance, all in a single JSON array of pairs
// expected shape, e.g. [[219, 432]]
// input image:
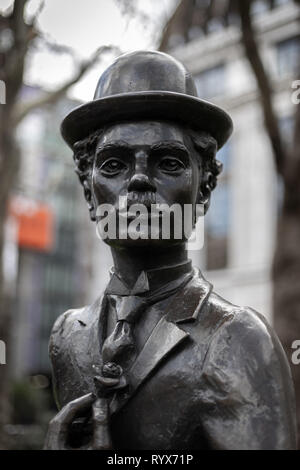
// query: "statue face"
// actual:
[[148, 163]]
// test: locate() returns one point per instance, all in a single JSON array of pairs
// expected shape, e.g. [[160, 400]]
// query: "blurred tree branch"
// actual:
[[51, 97], [263, 82]]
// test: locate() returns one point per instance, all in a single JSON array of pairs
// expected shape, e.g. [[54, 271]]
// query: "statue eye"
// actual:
[[171, 165], [112, 167]]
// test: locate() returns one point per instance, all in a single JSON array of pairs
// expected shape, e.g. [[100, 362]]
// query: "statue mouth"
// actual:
[[143, 216], [146, 198], [138, 203]]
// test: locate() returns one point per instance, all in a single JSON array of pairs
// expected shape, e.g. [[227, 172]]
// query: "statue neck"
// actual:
[[129, 262]]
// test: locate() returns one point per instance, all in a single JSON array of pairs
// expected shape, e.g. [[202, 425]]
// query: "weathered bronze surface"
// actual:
[[160, 361]]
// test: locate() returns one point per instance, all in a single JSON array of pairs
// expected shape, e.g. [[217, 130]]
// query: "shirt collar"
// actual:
[[147, 281]]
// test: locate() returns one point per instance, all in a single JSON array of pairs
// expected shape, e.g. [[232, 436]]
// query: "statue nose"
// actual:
[[141, 182]]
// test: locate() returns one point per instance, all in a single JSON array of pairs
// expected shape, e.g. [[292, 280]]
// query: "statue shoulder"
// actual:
[[63, 327], [242, 326], [247, 373], [246, 349], [247, 330], [244, 342], [71, 323], [69, 342]]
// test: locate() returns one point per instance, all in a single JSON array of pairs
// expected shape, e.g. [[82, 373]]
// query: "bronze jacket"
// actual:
[[211, 375]]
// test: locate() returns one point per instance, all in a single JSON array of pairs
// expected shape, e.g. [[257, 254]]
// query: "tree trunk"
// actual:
[[286, 288], [286, 265], [9, 159], [286, 261]]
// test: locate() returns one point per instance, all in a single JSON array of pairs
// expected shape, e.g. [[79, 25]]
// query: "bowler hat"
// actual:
[[146, 85]]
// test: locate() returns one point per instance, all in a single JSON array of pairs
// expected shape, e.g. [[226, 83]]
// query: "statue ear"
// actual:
[[204, 191], [88, 197]]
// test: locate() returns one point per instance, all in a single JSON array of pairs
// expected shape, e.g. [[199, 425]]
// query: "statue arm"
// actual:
[[248, 390], [57, 350]]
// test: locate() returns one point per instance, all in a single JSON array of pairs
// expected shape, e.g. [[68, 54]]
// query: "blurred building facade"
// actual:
[[240, 227]]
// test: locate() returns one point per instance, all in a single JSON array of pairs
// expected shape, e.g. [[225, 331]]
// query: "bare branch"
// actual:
[[180, 22], [263, 82], [189, 14], [14, 58], [58, 48], [52, 97], [18, 25], [18, 12], [35, 17], [292, 167]]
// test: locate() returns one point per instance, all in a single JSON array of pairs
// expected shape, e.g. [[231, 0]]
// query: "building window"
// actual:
[[279, 3], [286, 126], [217, 218], [288, 53], [175, 40], [259, 6], [211, 82]]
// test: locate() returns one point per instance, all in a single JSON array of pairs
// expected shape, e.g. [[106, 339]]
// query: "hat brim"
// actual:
[[153, 105]]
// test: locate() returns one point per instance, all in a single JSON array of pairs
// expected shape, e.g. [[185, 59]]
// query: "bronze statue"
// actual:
[[160, 361]]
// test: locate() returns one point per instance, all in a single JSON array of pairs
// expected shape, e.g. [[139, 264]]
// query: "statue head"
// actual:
[[146, 135]]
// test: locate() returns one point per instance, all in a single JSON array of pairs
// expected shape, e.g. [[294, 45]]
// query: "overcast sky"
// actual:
[[85, 25]]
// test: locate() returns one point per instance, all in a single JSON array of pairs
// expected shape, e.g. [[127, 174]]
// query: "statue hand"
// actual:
[[58, 431], [109, 379]]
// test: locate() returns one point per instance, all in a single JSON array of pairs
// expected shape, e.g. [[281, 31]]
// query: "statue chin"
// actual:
[[143, 243]]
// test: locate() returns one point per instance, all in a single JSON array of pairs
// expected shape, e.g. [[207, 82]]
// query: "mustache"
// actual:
[[141, 197]]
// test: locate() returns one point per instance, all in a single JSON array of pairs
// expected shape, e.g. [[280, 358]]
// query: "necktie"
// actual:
[[119, 346]]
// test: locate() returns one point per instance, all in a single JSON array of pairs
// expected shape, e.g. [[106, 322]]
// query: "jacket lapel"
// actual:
[[91, 324], [163, 339]]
